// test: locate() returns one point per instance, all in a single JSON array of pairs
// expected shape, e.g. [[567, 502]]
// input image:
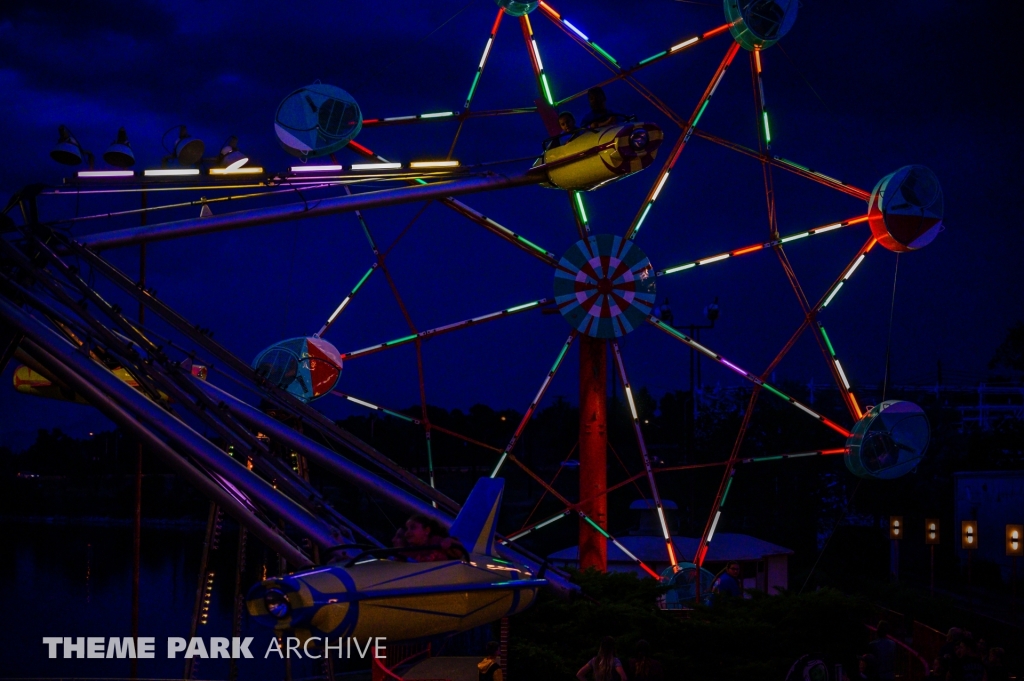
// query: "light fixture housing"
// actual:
[[1015, 540], [969, 534], [230, 157], [188, 150], [119, 154], [896, 527], [931, 531], [68, 151]]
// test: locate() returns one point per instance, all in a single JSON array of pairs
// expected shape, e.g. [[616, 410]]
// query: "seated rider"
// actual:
[[599, 115], [421, 531]]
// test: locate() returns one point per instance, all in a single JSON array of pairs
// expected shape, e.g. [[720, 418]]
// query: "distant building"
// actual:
[[995, 499], [765, 565]]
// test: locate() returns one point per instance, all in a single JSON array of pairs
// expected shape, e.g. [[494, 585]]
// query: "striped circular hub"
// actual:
[[604, 286]]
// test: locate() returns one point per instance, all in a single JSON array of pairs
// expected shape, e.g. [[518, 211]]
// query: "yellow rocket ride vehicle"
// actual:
[[588, 159], [375, 595]]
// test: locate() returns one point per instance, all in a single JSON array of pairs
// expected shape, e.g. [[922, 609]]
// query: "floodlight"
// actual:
[[68, 151], [119, 153]]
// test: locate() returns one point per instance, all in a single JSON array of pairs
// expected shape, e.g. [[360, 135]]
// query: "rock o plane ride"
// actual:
[[374, 596]]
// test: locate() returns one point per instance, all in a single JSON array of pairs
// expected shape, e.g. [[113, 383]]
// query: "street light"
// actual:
[[931, 538], [1014, 548], [895, 535], [969, 542], [711, 312]]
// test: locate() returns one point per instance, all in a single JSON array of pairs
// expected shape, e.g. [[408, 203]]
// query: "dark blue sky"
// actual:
[[856, 90]]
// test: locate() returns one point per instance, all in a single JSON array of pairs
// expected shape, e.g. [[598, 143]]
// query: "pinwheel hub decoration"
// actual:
[[604, 286]]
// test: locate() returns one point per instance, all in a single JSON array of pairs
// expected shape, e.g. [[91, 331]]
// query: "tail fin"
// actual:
[[477, 520]]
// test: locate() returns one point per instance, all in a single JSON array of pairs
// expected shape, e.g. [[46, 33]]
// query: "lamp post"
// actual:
[[969, 542], [664, 313], [931, 537], [895, 535], [1014, 548]]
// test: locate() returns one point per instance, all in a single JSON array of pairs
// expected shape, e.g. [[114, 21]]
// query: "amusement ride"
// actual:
[[249, 442]]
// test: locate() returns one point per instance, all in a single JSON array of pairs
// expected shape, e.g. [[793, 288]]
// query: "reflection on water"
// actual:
[[76, 581]]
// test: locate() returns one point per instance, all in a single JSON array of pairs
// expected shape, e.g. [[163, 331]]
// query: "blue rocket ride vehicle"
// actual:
[[375, 595]]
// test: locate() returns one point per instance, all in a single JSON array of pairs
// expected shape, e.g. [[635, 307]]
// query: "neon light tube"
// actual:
[[725, 494], [547, 8], [842, 374], [798, 456], [365, 404], [504, 455], [517, 308], [735, 368], [632, 407], [748, 249], [547, 88], [550, 520], [249, 170], [716, 258], [472, 88], [434, 164], [701, 112], [714, 524], [767, 132], [606, 55], [597, 527], [579, 203], [828, 228], [441, 114], [536, 53], [575, 30], [105, 173], [856, 264], [376, 166], [650, 59], [757, 59], [340, 308], [803, 408], [794, 237], [661, 184], [832, 295], [487, 51], [400, 118], [684, 44], [673, 270], [170, 172], [642, 217], [828, 342], [314, 169]]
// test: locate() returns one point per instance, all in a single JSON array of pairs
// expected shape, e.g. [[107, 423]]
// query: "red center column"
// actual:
[[593, 450]]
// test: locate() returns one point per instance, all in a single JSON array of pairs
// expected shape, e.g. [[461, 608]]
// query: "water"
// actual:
[[76, 581]]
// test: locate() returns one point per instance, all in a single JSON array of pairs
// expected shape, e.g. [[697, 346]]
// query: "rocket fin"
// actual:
[[477, 520]]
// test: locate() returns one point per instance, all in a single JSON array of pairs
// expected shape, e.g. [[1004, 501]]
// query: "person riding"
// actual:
[[431, 538], [599, 115]]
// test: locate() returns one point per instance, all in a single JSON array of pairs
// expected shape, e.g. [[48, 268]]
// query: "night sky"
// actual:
[[856, 90]]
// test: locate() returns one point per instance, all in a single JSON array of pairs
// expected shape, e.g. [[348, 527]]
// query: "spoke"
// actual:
[[758, 247], [447, 328], [746, 374], [535, 60], [576, 34], [507, 234], [792, 167], [847, 273], [507, 453], [799, 455], [580, 211], [684, 137], [345, 302], [626, 551], [483, 59], [412, 118], [375, 407], [844, 382], [646, 459]]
